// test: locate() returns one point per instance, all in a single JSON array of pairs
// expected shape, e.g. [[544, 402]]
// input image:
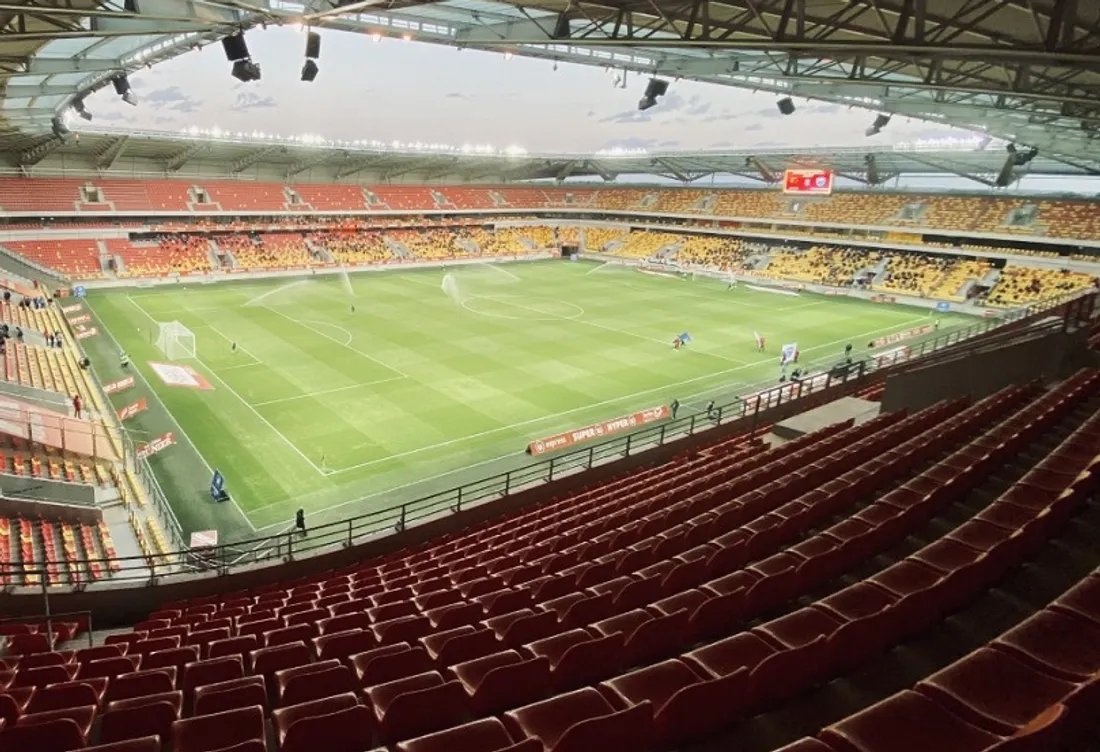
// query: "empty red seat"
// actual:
[[109, 667], [145, 744], [177, 657], [284, 718], [910, 722], [141, 683], [266, 661], [341, 645], [416, 705], [344, 730], [231, 694], [581, 721], [83, 717], [503, 680], [60, 735], [389, 662], [486, 735], [208, 672], [686, 705], [141, 716], [67, 695], [1060, 645], [218, 731], [313, 681]]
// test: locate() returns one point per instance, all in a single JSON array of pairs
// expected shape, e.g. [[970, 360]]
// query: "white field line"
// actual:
[[419, 281], [331, 326], [241, 365], [621, 331], [280, 288], [684, 293], [598, 267], [799, 307], [505, 272], [589, 406], [262, 419], [308, 395], [349, 502], [232, 342], [168, 412], [304, 325]]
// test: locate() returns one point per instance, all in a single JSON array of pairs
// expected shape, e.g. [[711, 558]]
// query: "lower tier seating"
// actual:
[[657, 610]]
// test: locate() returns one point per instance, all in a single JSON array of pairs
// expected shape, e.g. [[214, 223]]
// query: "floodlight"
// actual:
[[122, 88], [309, 70], [58, 127], [881, 121], [654, 90], [246, 70], [786, 106]]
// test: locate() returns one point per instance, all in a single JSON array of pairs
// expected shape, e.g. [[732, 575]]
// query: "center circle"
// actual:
[[522, 308]]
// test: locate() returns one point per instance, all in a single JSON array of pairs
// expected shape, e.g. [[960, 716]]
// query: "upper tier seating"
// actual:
[[668, 605], [75, 258], [1059, 218]]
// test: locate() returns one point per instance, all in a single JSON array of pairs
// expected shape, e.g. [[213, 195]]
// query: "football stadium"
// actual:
[[368, 445]]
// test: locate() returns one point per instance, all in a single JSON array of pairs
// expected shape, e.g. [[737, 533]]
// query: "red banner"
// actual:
[[597, 430], [118, 386], [83, 319], [84, 334], [158, 444], [74, 308], [131, 410], [883, 299], [890, 339]]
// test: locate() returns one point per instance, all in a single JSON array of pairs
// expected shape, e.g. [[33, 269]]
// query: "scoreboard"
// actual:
[[808, 182]]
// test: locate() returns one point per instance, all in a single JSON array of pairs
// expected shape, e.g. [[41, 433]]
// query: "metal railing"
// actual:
[[294, 543]]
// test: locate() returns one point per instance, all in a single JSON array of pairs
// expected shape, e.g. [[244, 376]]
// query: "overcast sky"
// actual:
[[408, 91]]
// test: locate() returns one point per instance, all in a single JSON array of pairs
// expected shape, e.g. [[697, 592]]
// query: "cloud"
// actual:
[[165, 96], [455, 95], [753, 127], [186, 107], [110, 117], [246, 100], [162, 120]]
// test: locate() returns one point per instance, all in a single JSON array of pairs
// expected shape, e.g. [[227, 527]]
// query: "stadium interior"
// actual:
[[896, 549]]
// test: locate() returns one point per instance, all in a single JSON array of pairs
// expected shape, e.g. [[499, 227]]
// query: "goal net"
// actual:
[[175, 340]]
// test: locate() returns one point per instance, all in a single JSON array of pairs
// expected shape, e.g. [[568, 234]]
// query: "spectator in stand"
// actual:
[[76, 405]]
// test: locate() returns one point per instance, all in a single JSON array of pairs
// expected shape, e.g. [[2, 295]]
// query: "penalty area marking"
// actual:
[[221, 334], [322, 392], [329, 337], [507, 300], [331, 326]]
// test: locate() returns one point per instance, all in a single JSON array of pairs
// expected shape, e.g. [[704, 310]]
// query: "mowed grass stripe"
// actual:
[[476, 387]]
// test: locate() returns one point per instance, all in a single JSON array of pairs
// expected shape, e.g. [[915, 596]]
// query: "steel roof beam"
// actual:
[[40, 151], [254, 156], [182, 157], [312, 161], [106, 160]]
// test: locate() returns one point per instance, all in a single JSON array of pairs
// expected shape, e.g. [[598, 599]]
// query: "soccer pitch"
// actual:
[[341, 411]]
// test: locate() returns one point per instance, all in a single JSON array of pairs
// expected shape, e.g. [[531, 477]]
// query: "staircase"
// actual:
[[212, 252], [399, 250]]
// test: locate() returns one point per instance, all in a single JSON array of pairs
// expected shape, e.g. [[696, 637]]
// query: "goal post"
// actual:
[[175, 340]]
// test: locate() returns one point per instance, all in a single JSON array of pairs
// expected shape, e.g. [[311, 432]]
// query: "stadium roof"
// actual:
[[111, 152], [1026, 71]]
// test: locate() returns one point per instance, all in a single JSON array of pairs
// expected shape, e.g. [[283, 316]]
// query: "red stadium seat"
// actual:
[[283, 719], [218, 731], [416, 705], [138, 717], [231, 694], [486, 735], [581, 721], [145, 744]]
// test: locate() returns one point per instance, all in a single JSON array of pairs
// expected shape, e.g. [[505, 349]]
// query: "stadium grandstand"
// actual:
[[365, 447]]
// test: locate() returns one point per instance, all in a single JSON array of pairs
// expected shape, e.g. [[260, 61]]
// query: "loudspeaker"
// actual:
[[235, 47], [313, 45], [785, 105]]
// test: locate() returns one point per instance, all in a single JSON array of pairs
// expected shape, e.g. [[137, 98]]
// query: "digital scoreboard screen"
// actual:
[[811, 182]]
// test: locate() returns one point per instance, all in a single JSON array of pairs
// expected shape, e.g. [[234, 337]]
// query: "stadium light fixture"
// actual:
[[122, 88], [654, 90], [313, 53], [786, 106], [59, 128], [881, 121], [236, 52]]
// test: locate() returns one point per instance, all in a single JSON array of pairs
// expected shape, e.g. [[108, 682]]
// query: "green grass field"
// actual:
[[341, 412]]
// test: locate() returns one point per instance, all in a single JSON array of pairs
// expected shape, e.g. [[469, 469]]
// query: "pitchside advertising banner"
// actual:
[[82, 319], [74, 308], [130, 411], [597, 430], [159, 444], [85, 333], [891, 339], [118, 386]]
